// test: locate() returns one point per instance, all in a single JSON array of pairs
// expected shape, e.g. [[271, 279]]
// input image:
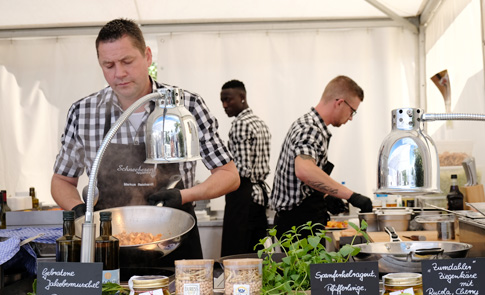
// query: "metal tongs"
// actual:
[[474, 207], [392, 233]]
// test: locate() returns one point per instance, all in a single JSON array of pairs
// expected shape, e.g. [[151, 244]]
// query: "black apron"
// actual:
[[313, 208], [125, 180], [245, 222]]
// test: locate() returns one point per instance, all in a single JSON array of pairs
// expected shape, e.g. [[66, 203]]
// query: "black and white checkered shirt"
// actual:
[[84, 133], [249, 142], [308, 135]]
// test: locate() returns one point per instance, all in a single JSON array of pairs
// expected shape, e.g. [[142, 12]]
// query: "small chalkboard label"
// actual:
[[69, 278], [345, 278], [453, 276]]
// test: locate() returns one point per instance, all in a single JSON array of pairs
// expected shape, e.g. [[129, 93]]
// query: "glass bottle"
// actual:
[[3, 220], [107, 249], [455, 197], [4, 209], [35, 201], [5, 203], [68, 247]]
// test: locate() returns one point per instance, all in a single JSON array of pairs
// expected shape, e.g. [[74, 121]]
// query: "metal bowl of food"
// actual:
[[172, 224]]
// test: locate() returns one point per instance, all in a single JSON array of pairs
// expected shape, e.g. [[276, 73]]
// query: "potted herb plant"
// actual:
[[292, 273]]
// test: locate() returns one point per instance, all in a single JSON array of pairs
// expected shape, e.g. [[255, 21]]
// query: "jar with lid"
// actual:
[[403, 282], [194, 276], [243, 276], [144, 285]]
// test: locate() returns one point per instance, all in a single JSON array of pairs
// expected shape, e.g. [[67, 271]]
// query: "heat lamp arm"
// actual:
[[453, 117], [88, 229]]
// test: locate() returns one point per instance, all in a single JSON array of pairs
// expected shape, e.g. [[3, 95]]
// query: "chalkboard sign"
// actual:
[[72, 278], [453, 276], [345, 278]]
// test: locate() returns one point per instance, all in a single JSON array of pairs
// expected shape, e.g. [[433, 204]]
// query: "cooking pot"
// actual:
[[173, 224], [407, 256]]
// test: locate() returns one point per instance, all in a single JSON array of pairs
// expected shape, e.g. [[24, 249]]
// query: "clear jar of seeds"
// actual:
[[243, 276], [194, 277]]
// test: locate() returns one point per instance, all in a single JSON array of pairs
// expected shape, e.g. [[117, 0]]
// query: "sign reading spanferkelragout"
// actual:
[[345, 278]]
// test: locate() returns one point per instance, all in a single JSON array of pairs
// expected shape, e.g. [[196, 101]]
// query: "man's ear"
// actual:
[[148, 55]]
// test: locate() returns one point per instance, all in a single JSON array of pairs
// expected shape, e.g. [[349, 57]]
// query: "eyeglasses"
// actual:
[[354, 111]]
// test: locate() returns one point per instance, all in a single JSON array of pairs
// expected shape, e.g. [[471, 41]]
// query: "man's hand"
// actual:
[[362, 202], [335, 205], [79, 210], [168, 197]]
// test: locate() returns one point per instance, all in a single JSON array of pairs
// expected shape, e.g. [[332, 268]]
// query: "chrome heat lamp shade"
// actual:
[[171, 131], [408, 159]]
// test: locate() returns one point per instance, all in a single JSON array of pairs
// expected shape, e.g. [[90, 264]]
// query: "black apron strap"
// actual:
[[107, 118]]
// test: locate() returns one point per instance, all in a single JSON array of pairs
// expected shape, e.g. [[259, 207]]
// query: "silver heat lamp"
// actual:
[[171, 134], [171, 137], [408, 161]]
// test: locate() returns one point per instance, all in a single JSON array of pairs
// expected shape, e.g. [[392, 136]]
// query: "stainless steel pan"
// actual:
[[400, 256], [173, 224]]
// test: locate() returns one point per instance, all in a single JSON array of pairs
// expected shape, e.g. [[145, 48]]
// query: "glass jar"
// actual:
[[144, 285], [398, 282], [194, 276], [243, 276]]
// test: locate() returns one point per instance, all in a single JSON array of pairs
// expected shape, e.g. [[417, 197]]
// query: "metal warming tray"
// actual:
[[472, 231]]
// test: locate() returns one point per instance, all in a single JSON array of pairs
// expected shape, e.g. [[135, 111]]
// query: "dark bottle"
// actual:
[[35, 201], [455, 197], [3, 219], [68, 247], [107, 250], [4, 197], [3, 209]]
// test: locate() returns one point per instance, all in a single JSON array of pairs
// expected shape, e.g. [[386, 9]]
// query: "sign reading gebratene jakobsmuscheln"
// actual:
[[72, 278]]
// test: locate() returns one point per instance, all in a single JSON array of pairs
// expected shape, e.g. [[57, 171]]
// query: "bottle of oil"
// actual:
[[107, 249], [68, 247], [3, 220], [4, 209], [3, 194], [455, 197], [35, 201]]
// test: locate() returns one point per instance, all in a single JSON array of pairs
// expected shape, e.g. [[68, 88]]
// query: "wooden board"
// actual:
[[431, 235]]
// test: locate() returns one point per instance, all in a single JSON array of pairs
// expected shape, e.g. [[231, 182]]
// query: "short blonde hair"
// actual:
[[342, 86]]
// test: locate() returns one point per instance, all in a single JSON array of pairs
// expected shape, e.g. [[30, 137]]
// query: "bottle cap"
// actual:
[[453, 176], [105, 215], [402, 279], [68, 215]]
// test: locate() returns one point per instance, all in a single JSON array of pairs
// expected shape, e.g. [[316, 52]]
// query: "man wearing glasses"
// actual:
[[303, 189]]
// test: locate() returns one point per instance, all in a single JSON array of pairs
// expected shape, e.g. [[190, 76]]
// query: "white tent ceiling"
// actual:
[[28, 14]]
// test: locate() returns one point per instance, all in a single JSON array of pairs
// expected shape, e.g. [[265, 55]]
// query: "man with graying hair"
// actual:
[[123, 178], [303, 189], [245, 221]]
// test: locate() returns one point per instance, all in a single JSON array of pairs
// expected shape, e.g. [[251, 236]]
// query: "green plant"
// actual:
[[152, 70], [292, 274], [113, 288]]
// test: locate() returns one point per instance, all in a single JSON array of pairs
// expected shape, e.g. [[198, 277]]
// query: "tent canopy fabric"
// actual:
[[28, 14]]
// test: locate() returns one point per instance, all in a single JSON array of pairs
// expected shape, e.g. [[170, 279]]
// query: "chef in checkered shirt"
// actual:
[[303, 189], [123, 178], [245, 221]]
